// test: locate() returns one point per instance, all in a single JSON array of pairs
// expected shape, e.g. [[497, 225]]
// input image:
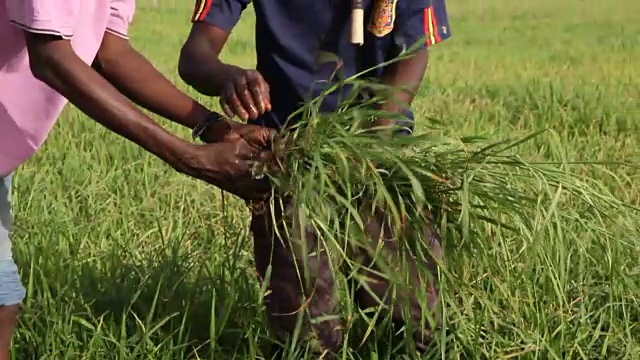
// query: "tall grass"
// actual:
[[112, 244], [479, 188]]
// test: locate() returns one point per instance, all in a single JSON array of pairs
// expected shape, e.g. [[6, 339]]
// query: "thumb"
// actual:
[[259, 137]]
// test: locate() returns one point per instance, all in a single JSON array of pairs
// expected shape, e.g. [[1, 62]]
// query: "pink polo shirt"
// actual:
[[28, 107]]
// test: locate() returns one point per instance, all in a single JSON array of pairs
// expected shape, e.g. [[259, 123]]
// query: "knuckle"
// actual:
[[228, 93], [242, 79], [225, 106], [255, 77], [234, 100]]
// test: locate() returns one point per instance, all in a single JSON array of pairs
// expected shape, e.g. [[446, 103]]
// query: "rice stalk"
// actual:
[[474, 186]]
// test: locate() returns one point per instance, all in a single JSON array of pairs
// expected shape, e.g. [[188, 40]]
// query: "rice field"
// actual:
[[126, 259]]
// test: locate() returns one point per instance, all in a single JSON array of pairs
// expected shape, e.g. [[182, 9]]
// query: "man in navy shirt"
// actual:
[[289, 35]]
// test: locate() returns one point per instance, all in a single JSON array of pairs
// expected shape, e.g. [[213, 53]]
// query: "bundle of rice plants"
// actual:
[[339, 173]]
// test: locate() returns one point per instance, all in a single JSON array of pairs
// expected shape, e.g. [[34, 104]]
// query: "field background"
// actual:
[[126, 259]]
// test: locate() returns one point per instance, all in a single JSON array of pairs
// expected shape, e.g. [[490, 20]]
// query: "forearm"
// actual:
[[405, 77], [136, 78], [206, 77], [62, 70], [200, 66]]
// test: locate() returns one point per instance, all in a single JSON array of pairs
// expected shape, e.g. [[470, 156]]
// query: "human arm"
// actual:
[[221, 164], [242, 92], [405, 76], [54, 61], [134, 76], [199, 65], [425, 24]]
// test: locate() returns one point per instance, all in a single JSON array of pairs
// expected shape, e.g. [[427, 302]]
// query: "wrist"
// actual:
[[203, 130], [196, 116], [230, 71], [170, 149], [392, 116], [183, 157], [225, 73]]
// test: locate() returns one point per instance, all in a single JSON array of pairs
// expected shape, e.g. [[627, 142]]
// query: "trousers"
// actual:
[[12, 291], [310, 290]]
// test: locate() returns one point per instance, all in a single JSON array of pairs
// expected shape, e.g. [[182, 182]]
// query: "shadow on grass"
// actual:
[[168, 306], [134, 303], [160, 297]]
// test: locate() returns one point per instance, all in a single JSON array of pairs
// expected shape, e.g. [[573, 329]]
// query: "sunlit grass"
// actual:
[[126, 259]]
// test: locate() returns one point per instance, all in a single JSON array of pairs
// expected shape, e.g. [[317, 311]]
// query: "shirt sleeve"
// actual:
[[223, 14], [120, 17], [427, 24], [52, 17]]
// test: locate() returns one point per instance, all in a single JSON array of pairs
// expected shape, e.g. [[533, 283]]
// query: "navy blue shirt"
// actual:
[[289, 34]]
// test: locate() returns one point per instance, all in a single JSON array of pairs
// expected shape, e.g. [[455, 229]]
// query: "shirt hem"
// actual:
[[117, 33], [41, 30]]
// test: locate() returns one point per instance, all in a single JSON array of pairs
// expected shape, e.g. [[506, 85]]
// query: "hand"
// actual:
[[392, 120], [380, 124], [227, 130], [387, 127], [228, 164], [382, 127], [245, 94]]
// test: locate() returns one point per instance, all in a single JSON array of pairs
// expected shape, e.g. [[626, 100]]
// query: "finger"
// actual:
[[259, 90], [234, 103], [258, 99], [222, 130], [248, 157], [266, 90], [253, 189], [261, 139], [268, 138], [244, 94], [255, 184], [225, 107], [261, 156], [250, 177], [247, 161]]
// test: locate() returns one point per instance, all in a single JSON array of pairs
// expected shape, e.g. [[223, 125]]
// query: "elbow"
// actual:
[[41, 64], [186, 68], [104, 62], [200, 70], [46, 55], [114, 55]]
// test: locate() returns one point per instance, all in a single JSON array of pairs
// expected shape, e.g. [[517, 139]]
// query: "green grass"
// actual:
[[126, 259]]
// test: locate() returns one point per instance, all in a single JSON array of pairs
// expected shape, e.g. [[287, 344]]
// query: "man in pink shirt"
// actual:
[[52, 52]]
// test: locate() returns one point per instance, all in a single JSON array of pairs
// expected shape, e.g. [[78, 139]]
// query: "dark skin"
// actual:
[[108, 91], [119, 79], [242, 93], [248, 96], [405, 75], [201, 68], [130, 73]]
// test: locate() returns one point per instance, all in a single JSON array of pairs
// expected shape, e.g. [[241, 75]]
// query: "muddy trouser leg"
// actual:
[[377, 287], [292, 291]]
